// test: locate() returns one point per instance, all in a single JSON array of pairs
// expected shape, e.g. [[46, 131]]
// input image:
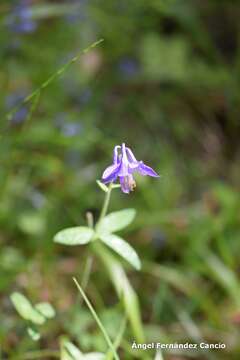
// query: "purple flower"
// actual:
[[124, 165], [21, 19]]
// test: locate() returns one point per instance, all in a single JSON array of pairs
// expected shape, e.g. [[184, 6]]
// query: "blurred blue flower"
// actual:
[[21, 114], [128, 67], [37, 198], [20, 20], [124, 165], [71, 129], [80, 13], [68, 128]]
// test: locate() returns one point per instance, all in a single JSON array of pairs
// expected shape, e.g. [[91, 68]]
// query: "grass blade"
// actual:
[[98, 321]]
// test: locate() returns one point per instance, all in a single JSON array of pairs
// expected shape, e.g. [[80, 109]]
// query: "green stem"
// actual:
[[87, 272], [54, 76], [106, 203], [87, 267], [98, 321]]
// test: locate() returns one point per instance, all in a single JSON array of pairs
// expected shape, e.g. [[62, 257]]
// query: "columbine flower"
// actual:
[[124, 165]]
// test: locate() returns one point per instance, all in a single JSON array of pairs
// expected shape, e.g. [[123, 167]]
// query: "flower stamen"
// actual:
[[129, 183]]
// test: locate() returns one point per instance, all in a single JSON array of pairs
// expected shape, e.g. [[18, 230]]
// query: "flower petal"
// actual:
[[110, 173], [130, 155], [124, 184], [127, 183], [123, 171], [115, 154], [146, 170], [133, 166]]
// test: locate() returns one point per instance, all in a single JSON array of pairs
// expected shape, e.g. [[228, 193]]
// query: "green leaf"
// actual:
[[31, 223], [94, 356], [116, 221], [225, 276], [78, 235], [34, 334], [121, 247], [45, 309], [132, 308], [125, 291], [25, 309], [69, 351]]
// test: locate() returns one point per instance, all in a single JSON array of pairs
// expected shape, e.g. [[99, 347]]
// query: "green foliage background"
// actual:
[[165, 81]]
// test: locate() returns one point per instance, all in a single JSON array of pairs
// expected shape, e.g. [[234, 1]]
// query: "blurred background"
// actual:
[[166, 82]]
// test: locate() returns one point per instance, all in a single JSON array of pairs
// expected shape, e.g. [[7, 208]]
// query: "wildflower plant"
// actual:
[[101, 235], [102, 240]]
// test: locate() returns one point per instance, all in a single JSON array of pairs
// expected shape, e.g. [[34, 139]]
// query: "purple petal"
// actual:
[[146, 170], [127, 183], [110, 173], [123, 171], [133, 166], [115, 154], [130, 155], [124, 184]]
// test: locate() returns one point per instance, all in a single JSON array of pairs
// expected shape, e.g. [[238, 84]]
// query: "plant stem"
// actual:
[[106, 203], [53, 77], [87, 272], [90, 220]]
